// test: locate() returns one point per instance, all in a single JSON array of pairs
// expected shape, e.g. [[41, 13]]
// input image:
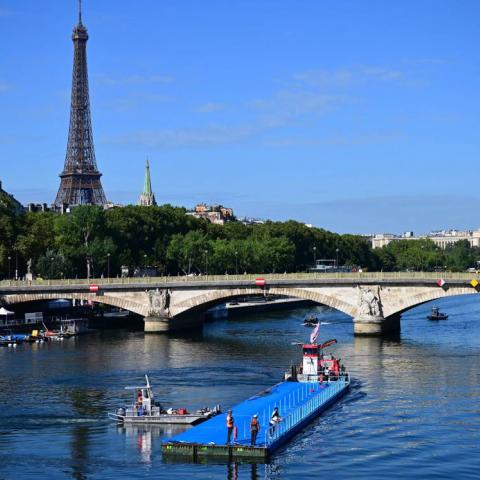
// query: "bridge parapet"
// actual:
[[358, 277]]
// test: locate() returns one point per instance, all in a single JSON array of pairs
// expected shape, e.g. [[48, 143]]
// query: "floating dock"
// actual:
[[298, 404]]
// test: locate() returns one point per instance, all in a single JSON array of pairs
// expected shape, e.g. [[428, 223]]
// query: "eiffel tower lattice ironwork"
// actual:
[[80, 180]]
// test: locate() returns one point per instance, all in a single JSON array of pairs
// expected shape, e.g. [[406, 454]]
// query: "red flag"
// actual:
[[314, 334]]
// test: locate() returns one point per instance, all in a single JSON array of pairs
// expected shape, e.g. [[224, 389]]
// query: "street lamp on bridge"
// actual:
[[9, 266], [337, 250], [108, 265], [206, 262], [236, 262]]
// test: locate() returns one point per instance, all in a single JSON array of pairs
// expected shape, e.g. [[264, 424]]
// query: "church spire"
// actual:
[[147, 197]]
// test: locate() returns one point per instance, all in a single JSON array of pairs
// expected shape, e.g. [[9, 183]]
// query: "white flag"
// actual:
[[314, 334]]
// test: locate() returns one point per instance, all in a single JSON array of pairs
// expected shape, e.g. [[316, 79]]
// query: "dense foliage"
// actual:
[[90, 240]]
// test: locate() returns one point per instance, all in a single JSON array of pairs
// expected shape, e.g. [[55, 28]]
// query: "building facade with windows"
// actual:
[[441, 238]]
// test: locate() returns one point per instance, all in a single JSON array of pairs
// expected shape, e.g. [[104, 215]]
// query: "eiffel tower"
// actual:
[[80, 180]]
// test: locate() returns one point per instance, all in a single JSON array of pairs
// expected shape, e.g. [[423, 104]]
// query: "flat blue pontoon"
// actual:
[[306, 391]]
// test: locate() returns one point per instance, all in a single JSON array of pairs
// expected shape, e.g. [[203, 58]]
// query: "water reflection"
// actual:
[[87, 402], [251, 471], [80, 439], [232, 471], [147, 439]]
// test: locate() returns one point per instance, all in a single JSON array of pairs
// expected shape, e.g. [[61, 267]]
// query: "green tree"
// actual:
[[81, 238]]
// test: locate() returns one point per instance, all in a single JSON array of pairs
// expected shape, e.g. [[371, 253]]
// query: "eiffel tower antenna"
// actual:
[[79, 12]]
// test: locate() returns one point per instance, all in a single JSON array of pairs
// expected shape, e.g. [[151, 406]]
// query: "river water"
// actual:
[[413, 410]]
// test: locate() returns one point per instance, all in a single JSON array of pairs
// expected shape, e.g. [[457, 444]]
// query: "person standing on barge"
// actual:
[[274, 420], [254, 429], [230, 425]]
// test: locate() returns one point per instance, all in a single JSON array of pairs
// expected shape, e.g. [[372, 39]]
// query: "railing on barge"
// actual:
[[291, 423]]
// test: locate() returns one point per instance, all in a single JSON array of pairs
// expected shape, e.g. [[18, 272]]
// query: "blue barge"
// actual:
[[306, 391]]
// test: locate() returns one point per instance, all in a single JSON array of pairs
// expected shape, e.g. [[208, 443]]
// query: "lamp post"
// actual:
[[108, 265], [314, 255], [337, 250], [144, 264], [206, 262], [9, 266], [236, 262], [51, 267]]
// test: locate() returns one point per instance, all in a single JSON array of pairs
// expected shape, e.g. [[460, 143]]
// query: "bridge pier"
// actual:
[[369, 325], [165, 323], [156, 324]]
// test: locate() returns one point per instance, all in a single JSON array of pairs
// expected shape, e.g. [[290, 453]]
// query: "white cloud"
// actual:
[[210, 107], [209, 135], [383, 74], [132, 80], [365, 138], [348, 76], [324, 77], [288, 105], [131, 102]]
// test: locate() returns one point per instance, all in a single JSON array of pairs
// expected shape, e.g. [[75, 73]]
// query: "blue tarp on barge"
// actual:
[[297, 404]]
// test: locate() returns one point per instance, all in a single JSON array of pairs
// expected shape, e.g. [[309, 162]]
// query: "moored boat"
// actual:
[[12, 337], [146, 411]]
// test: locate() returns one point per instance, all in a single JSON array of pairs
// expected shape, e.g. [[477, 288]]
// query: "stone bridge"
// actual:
[[375, 301]]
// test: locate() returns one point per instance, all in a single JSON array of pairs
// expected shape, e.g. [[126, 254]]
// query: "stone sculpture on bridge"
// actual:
[[369, 302], [159, 302]]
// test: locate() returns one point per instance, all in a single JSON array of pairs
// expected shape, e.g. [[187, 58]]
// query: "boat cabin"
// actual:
[[144, 398], [329, 366], [74, 326], [317, 366], [311, 354]]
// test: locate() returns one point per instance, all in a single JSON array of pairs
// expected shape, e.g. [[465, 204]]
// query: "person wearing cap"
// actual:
[[254, 429], [230, 425]]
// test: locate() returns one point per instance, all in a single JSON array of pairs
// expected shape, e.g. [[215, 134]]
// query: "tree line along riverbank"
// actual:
[[174, 243]]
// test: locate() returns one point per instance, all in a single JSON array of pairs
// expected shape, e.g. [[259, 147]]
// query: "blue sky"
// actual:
[[356, 116]]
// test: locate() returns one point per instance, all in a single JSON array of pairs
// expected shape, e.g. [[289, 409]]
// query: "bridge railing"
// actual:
[[355, 276]]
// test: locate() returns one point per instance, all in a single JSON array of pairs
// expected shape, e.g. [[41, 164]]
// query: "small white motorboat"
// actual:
[[146, 411]]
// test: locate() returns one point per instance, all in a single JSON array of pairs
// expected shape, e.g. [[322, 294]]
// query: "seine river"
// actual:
[[413, 410]]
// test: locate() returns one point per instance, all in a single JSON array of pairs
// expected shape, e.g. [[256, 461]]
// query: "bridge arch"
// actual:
[[425, 295], [213, 297], [113, 301]]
